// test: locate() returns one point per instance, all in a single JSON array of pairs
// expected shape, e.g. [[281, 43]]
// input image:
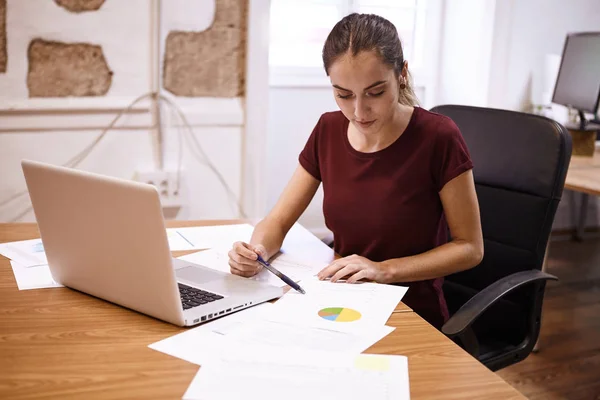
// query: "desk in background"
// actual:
[[583, 176], [59, 343]]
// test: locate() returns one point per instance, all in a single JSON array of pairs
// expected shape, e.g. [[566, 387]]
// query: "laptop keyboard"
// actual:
[[192, 297]]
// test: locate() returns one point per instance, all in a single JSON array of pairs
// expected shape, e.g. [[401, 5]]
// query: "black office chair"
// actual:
[[520, 163]]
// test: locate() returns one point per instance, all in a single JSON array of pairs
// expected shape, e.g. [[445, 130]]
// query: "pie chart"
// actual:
[[339, 314]]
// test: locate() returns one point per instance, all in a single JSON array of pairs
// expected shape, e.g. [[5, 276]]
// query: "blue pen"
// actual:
[[281, 276]]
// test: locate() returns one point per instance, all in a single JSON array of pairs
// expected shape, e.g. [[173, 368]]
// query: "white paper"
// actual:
[[339, 306], [27, 253], [38, 277], [278, 376], [252, 329], [204, 342], [30, 253], [299, 239], [270, 333], [295, 269], [223, 236], [177, 241], [295, 244]]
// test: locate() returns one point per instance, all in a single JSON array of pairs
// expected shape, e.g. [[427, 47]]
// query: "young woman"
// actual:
[[395, 177]]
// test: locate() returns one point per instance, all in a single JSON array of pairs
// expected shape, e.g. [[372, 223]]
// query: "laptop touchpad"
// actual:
[[197, 275]]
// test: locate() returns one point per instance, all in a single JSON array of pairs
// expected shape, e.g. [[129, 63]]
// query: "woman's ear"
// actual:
[[401, 83], [404, 72]]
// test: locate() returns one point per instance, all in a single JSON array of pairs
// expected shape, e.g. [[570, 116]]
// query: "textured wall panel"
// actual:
[[78, 6], [210, 63], [3, 57], [60, 69]]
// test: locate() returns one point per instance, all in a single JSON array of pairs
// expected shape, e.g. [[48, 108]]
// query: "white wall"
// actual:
[[54, 130], [293, 113], [492, 51], [466, 46], [126, 148], [536, 28]]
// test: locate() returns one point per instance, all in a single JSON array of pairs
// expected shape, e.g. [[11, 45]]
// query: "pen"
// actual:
[[281, 276]]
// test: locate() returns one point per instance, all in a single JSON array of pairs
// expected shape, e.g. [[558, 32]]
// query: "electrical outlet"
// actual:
[[171, 189]]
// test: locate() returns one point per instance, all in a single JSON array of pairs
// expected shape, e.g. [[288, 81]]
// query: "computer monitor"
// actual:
[[578, 81]]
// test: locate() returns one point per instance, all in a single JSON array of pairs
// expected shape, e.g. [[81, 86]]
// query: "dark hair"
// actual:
[[368, 32]]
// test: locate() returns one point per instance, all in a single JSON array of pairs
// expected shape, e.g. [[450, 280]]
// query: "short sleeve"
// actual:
[[309, 156], [451, 156]]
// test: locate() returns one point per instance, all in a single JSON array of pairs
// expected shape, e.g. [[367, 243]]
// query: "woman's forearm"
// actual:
[[444, 260], [270, 234]]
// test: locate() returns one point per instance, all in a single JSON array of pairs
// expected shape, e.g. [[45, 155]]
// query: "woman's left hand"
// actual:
[[355, 268]]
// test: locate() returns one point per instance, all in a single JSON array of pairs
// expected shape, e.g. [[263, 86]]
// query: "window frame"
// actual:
[[428, 14]]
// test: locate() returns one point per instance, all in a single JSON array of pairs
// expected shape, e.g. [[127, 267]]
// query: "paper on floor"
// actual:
[[339, 306], [301, 376], [38, 277]]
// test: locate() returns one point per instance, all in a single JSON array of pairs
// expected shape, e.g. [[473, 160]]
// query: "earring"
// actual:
[[403, 84]]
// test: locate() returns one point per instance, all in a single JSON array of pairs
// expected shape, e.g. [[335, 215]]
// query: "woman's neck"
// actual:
[[387, 135]]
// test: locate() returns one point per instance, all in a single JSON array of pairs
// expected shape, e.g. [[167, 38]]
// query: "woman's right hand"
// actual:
[[243, 259]]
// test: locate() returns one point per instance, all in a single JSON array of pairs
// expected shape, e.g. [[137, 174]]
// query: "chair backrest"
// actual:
[[520, 164]]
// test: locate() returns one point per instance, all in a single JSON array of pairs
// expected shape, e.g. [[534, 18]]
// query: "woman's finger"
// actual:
[[331, 269], [236, 270], [241, 260], [245, 250], [347, 270], [362, 274]]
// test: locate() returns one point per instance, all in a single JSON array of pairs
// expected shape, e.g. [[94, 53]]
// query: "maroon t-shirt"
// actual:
[[386, 204]]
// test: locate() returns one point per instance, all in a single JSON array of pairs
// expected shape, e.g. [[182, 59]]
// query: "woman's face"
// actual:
[[366, 90]]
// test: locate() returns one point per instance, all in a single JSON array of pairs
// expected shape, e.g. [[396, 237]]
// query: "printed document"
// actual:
[[27, 253], [295, 269], [339, 306], [301, 376], [38, 277], [252, 328]]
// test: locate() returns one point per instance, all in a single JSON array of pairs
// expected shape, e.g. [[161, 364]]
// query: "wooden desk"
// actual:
[[583, 176], [59, 343]]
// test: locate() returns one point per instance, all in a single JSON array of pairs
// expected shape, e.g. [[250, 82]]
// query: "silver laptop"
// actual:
[[106, 237]]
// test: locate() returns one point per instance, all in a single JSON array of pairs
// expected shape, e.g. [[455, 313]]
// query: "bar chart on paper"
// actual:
[[339, 314]]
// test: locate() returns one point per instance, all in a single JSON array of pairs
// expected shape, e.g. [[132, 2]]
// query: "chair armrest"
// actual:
[[476, 305]]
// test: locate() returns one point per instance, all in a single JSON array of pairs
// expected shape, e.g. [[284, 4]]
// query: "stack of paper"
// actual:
[[302, 343]]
